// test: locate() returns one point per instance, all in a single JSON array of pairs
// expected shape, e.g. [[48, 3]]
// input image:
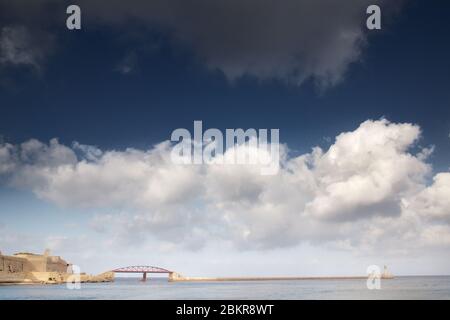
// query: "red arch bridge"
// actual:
[[142, 269]]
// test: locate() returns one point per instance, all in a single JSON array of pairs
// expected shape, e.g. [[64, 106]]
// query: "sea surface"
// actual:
[[430, 287]]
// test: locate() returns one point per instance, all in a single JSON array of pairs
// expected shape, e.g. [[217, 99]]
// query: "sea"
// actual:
[[411, 287]]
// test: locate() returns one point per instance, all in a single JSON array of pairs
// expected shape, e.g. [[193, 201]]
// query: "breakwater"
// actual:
[[176, 277]]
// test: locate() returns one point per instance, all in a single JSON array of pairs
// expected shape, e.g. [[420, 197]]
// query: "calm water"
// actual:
[[132, 288]]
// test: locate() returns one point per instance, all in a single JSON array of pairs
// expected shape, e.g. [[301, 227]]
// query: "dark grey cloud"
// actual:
[[291, 40]]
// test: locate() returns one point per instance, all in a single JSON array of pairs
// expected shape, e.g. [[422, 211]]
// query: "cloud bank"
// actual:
[[368, 191]]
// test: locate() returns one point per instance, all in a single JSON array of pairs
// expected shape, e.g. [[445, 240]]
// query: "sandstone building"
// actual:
[[40, 268]]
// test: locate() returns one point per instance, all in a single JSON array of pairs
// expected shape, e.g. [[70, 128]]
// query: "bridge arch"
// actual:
[[142, 269]]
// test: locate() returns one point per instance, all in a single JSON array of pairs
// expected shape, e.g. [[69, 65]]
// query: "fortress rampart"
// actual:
[[24, 267]]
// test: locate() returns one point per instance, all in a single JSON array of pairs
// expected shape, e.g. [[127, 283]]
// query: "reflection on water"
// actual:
[[131, 288]]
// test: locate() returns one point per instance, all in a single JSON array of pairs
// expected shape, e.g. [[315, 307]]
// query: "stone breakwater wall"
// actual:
[[176, 277]]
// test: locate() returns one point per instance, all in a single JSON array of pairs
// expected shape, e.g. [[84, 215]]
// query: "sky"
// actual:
[[86, 118]]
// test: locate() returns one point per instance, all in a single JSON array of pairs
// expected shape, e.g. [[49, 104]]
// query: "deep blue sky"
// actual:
[[404, 76]]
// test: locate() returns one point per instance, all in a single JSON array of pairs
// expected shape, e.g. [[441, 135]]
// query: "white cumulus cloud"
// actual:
[[368, 190]]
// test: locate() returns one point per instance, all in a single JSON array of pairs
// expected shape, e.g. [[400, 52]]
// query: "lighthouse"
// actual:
[[386, 274]]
